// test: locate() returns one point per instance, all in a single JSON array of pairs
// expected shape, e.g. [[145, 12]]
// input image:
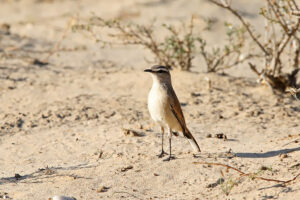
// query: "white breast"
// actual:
[[157, 101], [159, 107]]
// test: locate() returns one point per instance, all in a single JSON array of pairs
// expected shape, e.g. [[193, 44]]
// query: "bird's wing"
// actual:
[[176, 109]]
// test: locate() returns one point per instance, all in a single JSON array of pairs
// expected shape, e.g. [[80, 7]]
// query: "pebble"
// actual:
[[62, 198]]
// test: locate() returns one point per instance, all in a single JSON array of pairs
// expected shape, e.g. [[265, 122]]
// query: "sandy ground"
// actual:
[[79, 126]]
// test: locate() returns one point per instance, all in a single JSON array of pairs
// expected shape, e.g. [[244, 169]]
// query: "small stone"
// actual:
[[221, 136], [263, 168], [102, 189], [124, 169], [283, 155], [132, 133], [18, 176], [62, 198], [218, 182]]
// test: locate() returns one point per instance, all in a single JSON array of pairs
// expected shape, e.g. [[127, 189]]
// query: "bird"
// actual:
[[165, 109]]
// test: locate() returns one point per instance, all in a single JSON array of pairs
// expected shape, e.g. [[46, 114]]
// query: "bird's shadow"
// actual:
[[45, 173], [267, 154]]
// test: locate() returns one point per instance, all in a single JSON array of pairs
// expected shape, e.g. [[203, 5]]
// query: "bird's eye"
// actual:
[[161, 71]]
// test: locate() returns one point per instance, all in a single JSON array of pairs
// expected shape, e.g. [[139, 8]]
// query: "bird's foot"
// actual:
[[196, 155], [170, 158], [162, 154]]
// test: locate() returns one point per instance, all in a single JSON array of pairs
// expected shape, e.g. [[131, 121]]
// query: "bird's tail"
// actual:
[[192, 140]]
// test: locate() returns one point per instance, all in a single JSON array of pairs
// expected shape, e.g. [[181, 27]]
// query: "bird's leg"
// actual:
[[162, 154], [170, 145]]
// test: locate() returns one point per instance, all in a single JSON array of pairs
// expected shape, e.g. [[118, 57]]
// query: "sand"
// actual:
[[80, 127]]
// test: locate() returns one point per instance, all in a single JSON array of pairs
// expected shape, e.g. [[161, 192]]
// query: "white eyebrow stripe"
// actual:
[[158, 68], [164, 70]]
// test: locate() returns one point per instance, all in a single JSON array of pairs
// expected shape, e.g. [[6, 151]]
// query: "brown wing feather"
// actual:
[[176, 110]]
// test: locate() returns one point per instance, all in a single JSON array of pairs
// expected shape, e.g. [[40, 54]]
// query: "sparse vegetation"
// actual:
[[233, 52], [281, 38], [179, 47], [176, 50], [228, 185]]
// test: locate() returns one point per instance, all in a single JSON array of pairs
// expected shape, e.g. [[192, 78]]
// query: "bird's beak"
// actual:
[[148, 70]]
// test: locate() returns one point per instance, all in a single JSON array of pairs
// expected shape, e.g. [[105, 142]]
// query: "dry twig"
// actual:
[[245, 24], [252, 175]]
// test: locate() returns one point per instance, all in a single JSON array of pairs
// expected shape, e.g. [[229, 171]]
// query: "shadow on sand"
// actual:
[[45, 173], [266, 154]]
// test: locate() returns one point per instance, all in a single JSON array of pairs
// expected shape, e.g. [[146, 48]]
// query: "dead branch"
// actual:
[[253, 68], [275, 9], [280, 13], [295, 10], [252, 175], [284, 44], [294, 92], [296, 13], [231, 54], [245, 24], [297, 53]]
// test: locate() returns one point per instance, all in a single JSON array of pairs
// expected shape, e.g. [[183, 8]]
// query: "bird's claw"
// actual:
[[170, 158], [162, 154]]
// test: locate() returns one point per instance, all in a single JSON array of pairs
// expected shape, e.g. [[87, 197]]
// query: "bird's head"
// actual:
[[160, 73]]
